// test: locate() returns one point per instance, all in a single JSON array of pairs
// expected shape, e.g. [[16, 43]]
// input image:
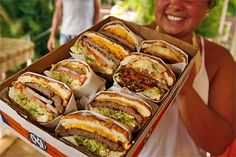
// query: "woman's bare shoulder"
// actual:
[[217, 58], [216, 50]]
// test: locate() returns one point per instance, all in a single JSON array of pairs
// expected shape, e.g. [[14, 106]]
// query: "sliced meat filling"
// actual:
[[57, 101], [115, 146], [108, 55], [114, 105], [135, 81], [71, 73], [79, 71]]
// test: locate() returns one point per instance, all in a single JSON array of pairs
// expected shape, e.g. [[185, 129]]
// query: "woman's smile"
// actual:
[[174, 18]]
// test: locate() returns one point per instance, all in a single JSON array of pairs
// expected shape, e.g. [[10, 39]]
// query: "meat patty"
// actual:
[[102, 50], [115, 146], [120, 39], [57, 101]]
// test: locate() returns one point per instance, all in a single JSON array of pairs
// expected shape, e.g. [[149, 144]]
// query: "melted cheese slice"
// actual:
[[95, 127], [117, 50], [121, 32]]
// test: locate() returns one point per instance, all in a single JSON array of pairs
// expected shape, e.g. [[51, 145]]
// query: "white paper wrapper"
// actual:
[[117, 87], [138, 39], [92, 84], [177, 68], [70, 139], [74, 52], [78, 56]]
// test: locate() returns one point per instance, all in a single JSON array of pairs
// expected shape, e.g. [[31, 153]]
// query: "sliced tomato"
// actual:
[[90, 51], [73, 74], [82, 78]]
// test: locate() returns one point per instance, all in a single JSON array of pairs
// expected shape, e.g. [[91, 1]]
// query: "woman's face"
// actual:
[[180, 17]]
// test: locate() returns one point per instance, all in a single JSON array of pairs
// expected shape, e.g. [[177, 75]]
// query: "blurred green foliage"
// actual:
[[27, 19], [209, 27], [108, 1], [231, 8], [143, 8]]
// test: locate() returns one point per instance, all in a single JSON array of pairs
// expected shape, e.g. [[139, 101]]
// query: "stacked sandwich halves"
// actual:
[[145, 75], [41, 98], [127, 109], [96, 133], [77, 75], [103, 50]]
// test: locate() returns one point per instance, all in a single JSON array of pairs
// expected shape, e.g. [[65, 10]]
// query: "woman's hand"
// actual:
[[189, 82]]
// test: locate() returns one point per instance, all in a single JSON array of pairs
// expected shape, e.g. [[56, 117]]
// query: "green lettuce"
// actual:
[[92, 145], [118, 115], [33, 109]]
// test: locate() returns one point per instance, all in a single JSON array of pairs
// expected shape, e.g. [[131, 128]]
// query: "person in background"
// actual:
[[74, 16], [202, 117]]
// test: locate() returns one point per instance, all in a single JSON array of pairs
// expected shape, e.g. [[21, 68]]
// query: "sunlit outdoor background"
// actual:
[[31, 20]]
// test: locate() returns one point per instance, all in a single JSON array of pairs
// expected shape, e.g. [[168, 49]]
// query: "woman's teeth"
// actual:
[[174, 18]]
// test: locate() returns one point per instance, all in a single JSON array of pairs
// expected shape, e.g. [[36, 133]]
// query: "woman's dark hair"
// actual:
[[212, 3]]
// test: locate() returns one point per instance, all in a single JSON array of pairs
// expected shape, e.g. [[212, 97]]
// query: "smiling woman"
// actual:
[[180, 19], [202, 117]]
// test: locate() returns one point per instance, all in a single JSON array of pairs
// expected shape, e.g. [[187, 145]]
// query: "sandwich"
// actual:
[[118, 31], [70, 71], [167, 52], [98, 134], [145, 75], [100, 52], [41, 98], [124, 108]]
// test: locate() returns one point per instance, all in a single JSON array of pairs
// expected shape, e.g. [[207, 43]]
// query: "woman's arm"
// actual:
[[212, 127]]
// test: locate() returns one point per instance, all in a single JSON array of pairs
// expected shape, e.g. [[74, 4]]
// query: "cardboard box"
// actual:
[[47, 142]]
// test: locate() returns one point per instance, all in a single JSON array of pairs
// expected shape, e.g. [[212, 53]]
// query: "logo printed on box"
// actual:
[[37, 141], [3, 119]]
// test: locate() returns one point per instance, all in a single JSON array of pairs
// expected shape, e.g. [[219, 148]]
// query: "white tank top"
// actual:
[[170, 138], [77, 16]]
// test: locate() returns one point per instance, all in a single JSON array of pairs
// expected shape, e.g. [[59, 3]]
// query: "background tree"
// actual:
[[27, 19], [231, 8], [209, 27]]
